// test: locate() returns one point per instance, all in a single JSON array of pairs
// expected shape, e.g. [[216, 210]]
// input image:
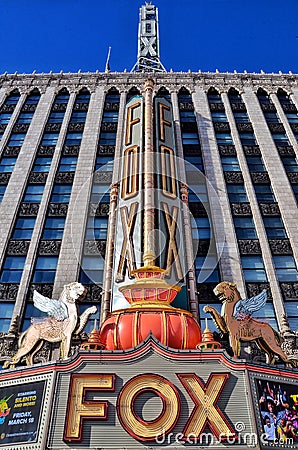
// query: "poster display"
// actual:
[[20, 412], [278, 413]]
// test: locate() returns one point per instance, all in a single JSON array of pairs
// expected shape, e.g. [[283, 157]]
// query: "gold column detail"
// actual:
[[149, 244]]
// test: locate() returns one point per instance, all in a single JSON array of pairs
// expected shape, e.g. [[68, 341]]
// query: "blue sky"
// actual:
[[227, 35]]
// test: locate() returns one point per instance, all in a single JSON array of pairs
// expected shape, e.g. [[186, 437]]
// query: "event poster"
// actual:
[[278, 413], [20, 412]]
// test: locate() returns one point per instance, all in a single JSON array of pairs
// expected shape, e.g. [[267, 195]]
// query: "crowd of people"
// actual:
[[279, 410]]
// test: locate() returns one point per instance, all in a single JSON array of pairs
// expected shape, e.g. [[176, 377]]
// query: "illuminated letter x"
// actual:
[[127, 251], [172, 249], [206, 412]]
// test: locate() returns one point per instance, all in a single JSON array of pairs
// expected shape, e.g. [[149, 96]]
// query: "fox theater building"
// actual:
[[148, 255]]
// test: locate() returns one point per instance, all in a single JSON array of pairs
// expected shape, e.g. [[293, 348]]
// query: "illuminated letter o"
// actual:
[[133, 423]]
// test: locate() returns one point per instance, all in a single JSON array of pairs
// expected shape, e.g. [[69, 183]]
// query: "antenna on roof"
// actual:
[[107, 68], [148, 41]]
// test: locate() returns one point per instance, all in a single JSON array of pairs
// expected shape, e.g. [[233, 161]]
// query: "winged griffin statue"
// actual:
[[236, 319], [62, 322]]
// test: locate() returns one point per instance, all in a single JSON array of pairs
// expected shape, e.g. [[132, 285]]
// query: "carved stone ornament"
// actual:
[[289, 290], [249, 246], [192, 149], [289, 107], [269, 209], [8, 291], [186, 106], [251, 150], [53, 127], [58, 209], [189, 126], [276, 127], [7, 108], [70, 150], [59, 107], [105, 149], [103, 177], [76, 126], [94, 294], [18, 247], [20, 127], [205, 292], [260, 177], [268, 107], [285, 150], [38, 177], [109, 126], [239, 106], [2, 127], [63, 321], [236, 320], [11, 151], [111, 106], [294, 127], [216, 106], [29, 209], [233, 177], [46, 150], [96, 247], [293, 177], [81, 107], [49, 247], [64, 177], [28, 108], [256, 288], [244, 127], [4, 178], [280, 247], [221, 126], [99, 209], [227, 149], [241, 209], [45, 289]]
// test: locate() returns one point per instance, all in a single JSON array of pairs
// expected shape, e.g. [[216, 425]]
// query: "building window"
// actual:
[[104, 163], [237, 193], [290, 163], [25, 117], [247, 139], [253, 269], [5, 118], [285, 268], [7, 164], [56, 117], [201, 228], [45, 269], [97, 228], [230, 164], [206, 269], [16, 139], [42, 164], [219, 116], [280, 139], [12, 99], [264, 193], [73, 138], [12, 269], [198, 193], [291, 310], [6, 311], [214, 96], [24, 228], [193, 162], [33, 193], [61, 193], [245, 228], [274, 227], [224, 138], [292, 117], [255, 164], [271, 117], [54, 228], [78, 116], [187, 116], [241, 117], [83, 97], [62, 97], [92, 270], [100, 193], [2, 191], [49, 139], [68, 164], [107, 138], [33, 99]]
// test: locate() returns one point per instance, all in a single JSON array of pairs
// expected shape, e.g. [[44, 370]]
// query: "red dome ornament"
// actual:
[[150, 312]]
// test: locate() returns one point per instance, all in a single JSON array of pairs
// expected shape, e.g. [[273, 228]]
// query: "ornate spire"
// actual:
[[148, 41]]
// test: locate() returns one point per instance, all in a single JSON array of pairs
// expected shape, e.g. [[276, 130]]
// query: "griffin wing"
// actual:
[[245, 308], [53, 307]]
